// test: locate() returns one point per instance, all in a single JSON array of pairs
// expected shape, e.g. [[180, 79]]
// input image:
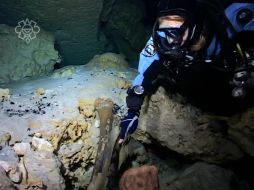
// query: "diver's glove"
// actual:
[[128, 125], [134, 101]]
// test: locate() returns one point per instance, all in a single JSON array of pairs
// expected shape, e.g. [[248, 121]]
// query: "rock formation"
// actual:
[[19, 60], [50, 126], [5, 182], [74, 25], [124, 29], [183, 128], [241, 130], [205, 176], [4, 94]]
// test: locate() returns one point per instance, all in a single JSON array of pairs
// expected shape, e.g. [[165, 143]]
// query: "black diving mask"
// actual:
[[170, 42]]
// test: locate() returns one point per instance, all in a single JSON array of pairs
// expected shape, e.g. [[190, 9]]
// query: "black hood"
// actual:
[[178, 7]]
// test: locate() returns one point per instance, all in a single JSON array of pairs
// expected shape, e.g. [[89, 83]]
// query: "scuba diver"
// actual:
[[187, 35]]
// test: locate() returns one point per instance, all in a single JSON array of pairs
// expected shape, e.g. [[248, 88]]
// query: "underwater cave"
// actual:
[[65, 68]]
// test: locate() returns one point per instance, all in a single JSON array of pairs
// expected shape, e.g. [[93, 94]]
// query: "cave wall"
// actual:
[[19, 60], [74, 25], [126, 28]]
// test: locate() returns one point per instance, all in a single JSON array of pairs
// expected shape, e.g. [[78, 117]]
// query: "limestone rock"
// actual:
[[123, 83], [43, 168], [83, 176], [12, 169], [23, 170], [86, 107], [144, 177], [71, 140], [34, 125], [69, 130], [69, 150], [40, 92], [5, 138], [42, 144], [19, 60], [124, 30], [78, 154], [21, 148], [74, 25], [64, 72], [15, 175], [184, 129], [9, 161], [133, 149], [5, 182], [242, 130], [205, 176], [108, 61], [38, 135], [4, 94], [8, 158]]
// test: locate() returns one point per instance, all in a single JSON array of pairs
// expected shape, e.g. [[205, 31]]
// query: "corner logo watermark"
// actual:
[[27, 30]]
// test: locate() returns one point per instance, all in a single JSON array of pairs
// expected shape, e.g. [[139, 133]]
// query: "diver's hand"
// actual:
[[128, 125]]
